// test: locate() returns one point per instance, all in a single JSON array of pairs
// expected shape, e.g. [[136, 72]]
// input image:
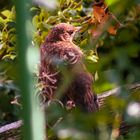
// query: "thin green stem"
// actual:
[[32, 128], [22, 40]]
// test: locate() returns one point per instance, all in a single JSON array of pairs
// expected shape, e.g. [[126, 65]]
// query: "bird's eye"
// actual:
[[70, 32]]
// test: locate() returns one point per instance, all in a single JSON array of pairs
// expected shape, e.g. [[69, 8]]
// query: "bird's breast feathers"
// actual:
[[63, 52]]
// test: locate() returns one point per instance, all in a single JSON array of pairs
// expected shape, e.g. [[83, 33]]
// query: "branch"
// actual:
[[11, 131]]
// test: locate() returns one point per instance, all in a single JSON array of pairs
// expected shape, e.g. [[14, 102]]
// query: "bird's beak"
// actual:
[[77, 32]]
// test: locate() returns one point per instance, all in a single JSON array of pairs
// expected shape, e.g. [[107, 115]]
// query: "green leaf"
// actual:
[[9, 56], [2, 24], [111, 2], [7, 14], [92, 58]]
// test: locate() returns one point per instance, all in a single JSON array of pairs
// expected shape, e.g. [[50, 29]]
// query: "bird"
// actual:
[[58, 49]]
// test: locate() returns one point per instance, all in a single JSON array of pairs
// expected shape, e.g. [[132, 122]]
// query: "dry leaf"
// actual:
[[99, 13], [112, 30], [101, 17]]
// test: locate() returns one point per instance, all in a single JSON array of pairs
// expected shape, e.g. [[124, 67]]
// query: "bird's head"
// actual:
[[62, 32]]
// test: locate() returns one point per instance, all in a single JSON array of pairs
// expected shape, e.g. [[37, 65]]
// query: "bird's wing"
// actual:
[[71, 56]]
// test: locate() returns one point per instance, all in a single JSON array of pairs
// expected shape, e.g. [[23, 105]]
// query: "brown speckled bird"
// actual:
[[58, 49]]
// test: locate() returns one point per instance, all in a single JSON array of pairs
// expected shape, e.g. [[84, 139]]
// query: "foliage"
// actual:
[[8, 88], [110, 41]]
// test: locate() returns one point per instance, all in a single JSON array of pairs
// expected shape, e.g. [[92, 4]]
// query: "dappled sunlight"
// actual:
[[133, 109]]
